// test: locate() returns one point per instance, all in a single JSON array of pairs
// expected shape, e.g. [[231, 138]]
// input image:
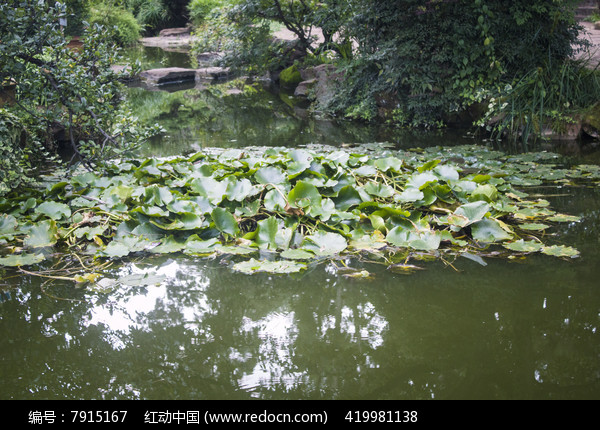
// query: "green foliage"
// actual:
[[77, 13], [121, 22], [414, 63], [199, 10], [59, 91], [154, 15], [548, 97], [433, 59]]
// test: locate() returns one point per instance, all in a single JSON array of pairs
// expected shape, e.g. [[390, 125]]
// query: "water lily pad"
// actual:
[[489, 230], [305, 196], [325, 244], [116, 249], [168, 245], [210, 188], [487, 192], [389, 163], [523, 246], [412, 194], [267, 233], [54, 210], [564, 218], [469, 213], [297, 254], [21, 259], [560, 251], [157, 195], [280, 267], [379, 190], [41, 234], [196, 246], [534, 226], [225, 221], [270, 175], [426, 240], [8, 225]]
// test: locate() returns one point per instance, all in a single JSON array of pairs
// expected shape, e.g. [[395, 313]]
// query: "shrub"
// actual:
[[199, 10], [123, 26]]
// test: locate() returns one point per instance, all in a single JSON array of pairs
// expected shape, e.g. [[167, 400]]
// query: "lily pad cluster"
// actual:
[[278, 210]]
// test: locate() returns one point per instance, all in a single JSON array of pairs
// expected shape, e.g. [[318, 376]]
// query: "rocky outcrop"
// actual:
[[171, 39], [318, 83], [168, 75], [177, 75]]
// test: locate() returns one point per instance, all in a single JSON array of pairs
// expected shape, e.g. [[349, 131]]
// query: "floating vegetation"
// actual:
[[281, 210]]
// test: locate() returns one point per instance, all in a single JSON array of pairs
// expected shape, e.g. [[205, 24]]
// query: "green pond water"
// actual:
[[191, 328]]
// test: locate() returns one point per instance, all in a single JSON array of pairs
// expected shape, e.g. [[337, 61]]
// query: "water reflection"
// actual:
[[507, 330]]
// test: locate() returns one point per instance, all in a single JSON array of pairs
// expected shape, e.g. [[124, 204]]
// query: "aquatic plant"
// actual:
[[282, 210]]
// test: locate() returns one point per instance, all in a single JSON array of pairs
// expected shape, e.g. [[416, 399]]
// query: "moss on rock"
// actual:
[[290, 77]]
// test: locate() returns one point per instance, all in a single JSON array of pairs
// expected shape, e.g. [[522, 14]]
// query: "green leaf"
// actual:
[[533, 226], [410, 195], [42, 234], [560, 251], [489, 230], [196, 246], [157, 195], [564, 218], [325, 244], [297, 254], [469, 213], [239, 190], [225, 222], [427, 240], [270, 175], [301, 160], [8, 225], [379, 190], [267, 233], [447, 173], [487, 193], [278, 267], [116, 249], [305, 196], [523, 246], [168, 245], [54, 210], [210, 188], [347, 197], [366, 171], [389, 163], [21, 259]]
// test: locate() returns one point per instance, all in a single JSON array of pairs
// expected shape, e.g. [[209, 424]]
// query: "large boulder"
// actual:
[[289, 78], [319, 83], [168, 75]]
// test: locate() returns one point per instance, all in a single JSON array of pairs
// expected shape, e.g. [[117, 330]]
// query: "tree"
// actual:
[[59, 90]]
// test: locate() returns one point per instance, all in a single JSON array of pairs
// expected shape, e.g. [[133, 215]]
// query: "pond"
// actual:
[[184, 327]]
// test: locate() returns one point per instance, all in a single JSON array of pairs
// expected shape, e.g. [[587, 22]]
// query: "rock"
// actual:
[[208, 58], [212, 73], [319, 82], [175, 32], [290, 77], [570, 131], [168, 75], [303, 89]]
